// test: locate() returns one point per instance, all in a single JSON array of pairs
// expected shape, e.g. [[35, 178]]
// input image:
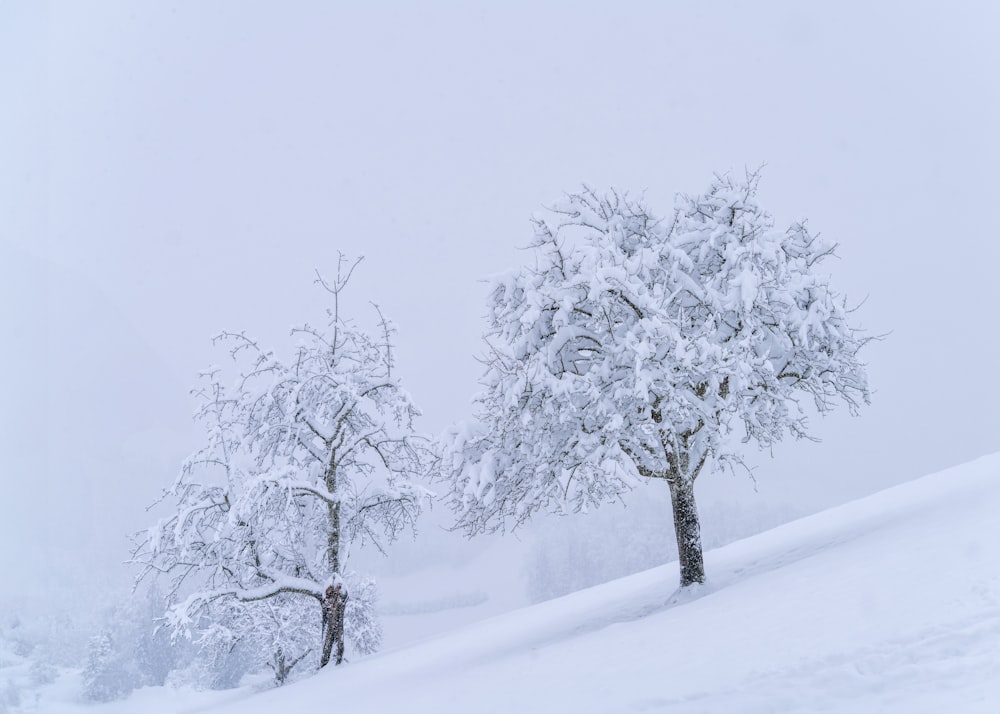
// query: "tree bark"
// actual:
[[339, 626], [334, 606], [333, 539], [333, 609], [329, 635], [688, 530]]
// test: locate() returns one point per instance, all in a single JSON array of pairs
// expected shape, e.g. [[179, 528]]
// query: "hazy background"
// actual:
[[169, 169]]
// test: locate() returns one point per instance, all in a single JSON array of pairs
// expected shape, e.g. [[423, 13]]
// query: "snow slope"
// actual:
[[887, 604]]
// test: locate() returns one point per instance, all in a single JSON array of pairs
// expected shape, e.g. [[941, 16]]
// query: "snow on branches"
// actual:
[[303, 457], [636, 346]]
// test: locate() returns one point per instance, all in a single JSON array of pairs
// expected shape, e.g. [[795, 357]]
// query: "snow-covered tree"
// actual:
[[638, 347], [108, 674], [304, 457], [155, 655]]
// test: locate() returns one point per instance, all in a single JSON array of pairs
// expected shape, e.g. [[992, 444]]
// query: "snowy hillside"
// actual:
[[887, 604]]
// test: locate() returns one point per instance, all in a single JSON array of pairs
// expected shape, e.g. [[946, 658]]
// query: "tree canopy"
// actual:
[[646, 346]]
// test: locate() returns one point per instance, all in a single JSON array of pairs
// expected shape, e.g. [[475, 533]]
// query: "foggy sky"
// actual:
[[168, 170]]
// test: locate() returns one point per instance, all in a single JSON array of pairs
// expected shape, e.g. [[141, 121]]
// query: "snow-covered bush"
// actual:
[[41, 672], [132, 649], [361, 621]]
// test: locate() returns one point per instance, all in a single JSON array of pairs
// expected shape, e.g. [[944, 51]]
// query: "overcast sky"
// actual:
[[171, 169]]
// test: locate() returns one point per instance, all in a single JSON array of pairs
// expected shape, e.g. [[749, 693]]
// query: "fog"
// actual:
[[170, 170]]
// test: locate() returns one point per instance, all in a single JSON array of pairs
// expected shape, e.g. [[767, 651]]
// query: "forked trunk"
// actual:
[[688, 530]]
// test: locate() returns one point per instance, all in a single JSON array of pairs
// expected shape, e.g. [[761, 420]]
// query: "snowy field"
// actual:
[[887, 604]]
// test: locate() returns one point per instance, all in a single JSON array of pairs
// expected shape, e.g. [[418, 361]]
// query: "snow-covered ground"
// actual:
[[887, 604]]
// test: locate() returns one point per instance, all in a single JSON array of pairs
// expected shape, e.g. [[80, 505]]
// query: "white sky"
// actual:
[[171, 169]]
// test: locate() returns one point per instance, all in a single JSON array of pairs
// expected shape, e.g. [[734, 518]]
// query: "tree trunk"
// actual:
[[688, 530], [333, 609], [333, 539], [328, 637], [339, 627]]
